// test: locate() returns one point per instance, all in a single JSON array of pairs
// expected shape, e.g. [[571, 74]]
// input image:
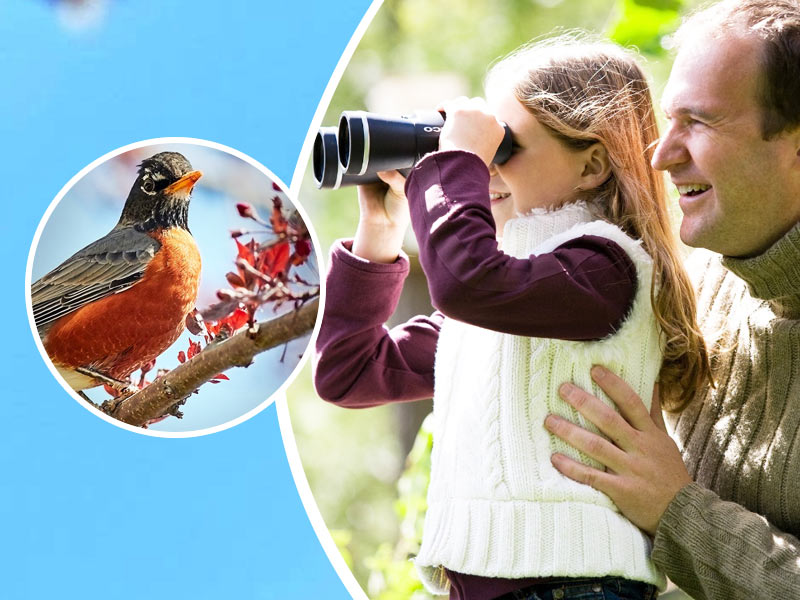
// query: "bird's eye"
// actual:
[[148, 186]]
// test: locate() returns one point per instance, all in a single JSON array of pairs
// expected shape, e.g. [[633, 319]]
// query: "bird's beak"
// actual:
[[185, 183]]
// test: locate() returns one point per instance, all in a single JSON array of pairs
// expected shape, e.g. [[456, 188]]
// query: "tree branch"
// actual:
[[167, 392]]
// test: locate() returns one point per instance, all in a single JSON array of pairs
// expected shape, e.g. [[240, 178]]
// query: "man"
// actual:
[[725, 525]]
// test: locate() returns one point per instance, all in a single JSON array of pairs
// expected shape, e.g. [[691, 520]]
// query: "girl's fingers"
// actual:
[[451, 104], [464, 103], [371, 193], [394, 179], [470, 125]]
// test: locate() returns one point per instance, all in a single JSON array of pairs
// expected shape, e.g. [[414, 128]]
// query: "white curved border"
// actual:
[[289, 443], [279, 393]]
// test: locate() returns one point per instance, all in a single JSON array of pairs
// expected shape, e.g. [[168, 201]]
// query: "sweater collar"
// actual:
[[522, 234], [773, 276]]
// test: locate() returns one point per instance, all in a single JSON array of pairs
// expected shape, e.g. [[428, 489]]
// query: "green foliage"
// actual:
[[644, 23], [342, 538], [352, 463], [393, 576], [663, 5]]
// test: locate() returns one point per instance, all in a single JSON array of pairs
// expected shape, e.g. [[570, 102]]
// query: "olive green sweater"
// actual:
[[734, 532]]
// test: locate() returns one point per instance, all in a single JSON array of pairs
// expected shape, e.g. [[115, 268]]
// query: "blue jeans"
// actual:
[[603, 588]]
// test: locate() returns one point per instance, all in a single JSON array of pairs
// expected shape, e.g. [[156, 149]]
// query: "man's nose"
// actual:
[[492, 169], [670, 151]]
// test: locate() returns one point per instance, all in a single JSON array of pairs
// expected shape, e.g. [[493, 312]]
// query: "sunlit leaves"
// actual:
[[643, 24]]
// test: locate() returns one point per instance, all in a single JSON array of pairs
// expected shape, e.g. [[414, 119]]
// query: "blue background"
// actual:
[[88, 510]]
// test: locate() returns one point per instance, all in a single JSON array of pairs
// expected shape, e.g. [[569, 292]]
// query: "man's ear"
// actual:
[[796, 143], [793, 138], [596, 167]]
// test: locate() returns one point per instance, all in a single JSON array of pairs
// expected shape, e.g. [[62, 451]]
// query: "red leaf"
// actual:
[[302, 250], [276, 219], [245, 252], [303, 247], [245, 210], [236, 319], [212, 329], [274, 260], [221, 376], [182, 354], [194, 348], [235, 280]]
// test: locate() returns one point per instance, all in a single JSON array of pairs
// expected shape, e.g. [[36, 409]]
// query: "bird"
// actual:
[[115, 305]]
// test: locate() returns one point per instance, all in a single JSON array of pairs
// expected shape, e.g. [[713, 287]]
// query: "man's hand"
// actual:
[[644, 466]]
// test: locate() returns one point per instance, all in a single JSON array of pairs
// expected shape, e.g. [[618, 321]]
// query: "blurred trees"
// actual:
[[353, 459]]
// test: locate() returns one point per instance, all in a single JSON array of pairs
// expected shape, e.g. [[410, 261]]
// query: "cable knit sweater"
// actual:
[[734, 533], [496, 505]]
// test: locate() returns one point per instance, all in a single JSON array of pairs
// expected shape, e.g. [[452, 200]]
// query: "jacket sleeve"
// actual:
[[358, 361], [718, 550], [580, 291]]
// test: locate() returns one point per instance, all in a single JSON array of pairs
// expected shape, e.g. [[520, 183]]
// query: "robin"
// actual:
[[114, 306]]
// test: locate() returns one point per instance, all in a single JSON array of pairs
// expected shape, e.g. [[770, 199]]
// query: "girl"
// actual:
[[588, 272]]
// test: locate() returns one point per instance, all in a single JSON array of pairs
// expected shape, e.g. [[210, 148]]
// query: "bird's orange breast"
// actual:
[[122, 332]]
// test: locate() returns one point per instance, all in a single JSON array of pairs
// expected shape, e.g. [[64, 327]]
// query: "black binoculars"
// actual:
[[366, 143]]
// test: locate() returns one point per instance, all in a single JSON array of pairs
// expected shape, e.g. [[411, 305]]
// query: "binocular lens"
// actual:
[[328, 173], [325, 149], [366, 143]]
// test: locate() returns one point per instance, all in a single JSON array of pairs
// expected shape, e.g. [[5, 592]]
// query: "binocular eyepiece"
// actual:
[[366, 143]]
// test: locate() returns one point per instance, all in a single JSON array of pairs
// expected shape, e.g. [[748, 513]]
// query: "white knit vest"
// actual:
[[496, 505]]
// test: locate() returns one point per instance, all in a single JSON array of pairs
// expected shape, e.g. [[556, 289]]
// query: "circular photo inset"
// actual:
[[158, 269]]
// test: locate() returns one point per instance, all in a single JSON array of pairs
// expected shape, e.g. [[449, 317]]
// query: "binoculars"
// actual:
[[365, 143]]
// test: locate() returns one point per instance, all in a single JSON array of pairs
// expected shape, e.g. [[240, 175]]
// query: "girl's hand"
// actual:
[[384, 203], [384, 218], [470, 125]]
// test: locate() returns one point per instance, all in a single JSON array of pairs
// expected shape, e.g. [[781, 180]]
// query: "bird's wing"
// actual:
[[108, 266]]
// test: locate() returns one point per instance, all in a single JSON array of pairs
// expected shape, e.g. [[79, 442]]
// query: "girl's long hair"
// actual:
[[585, 92]]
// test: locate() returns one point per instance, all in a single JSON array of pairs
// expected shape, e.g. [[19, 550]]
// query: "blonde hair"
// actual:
[[586, 92]]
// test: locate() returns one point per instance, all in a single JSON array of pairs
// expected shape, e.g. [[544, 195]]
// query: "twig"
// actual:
[[167, 392]]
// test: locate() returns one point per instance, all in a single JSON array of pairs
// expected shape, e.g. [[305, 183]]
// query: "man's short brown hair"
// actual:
[[777, 24]]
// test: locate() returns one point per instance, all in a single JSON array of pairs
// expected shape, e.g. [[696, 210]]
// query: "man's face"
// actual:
[[738, 193]]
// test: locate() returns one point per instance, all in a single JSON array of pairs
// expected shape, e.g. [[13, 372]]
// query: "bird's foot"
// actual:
[[119, 386], [120, 390]]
